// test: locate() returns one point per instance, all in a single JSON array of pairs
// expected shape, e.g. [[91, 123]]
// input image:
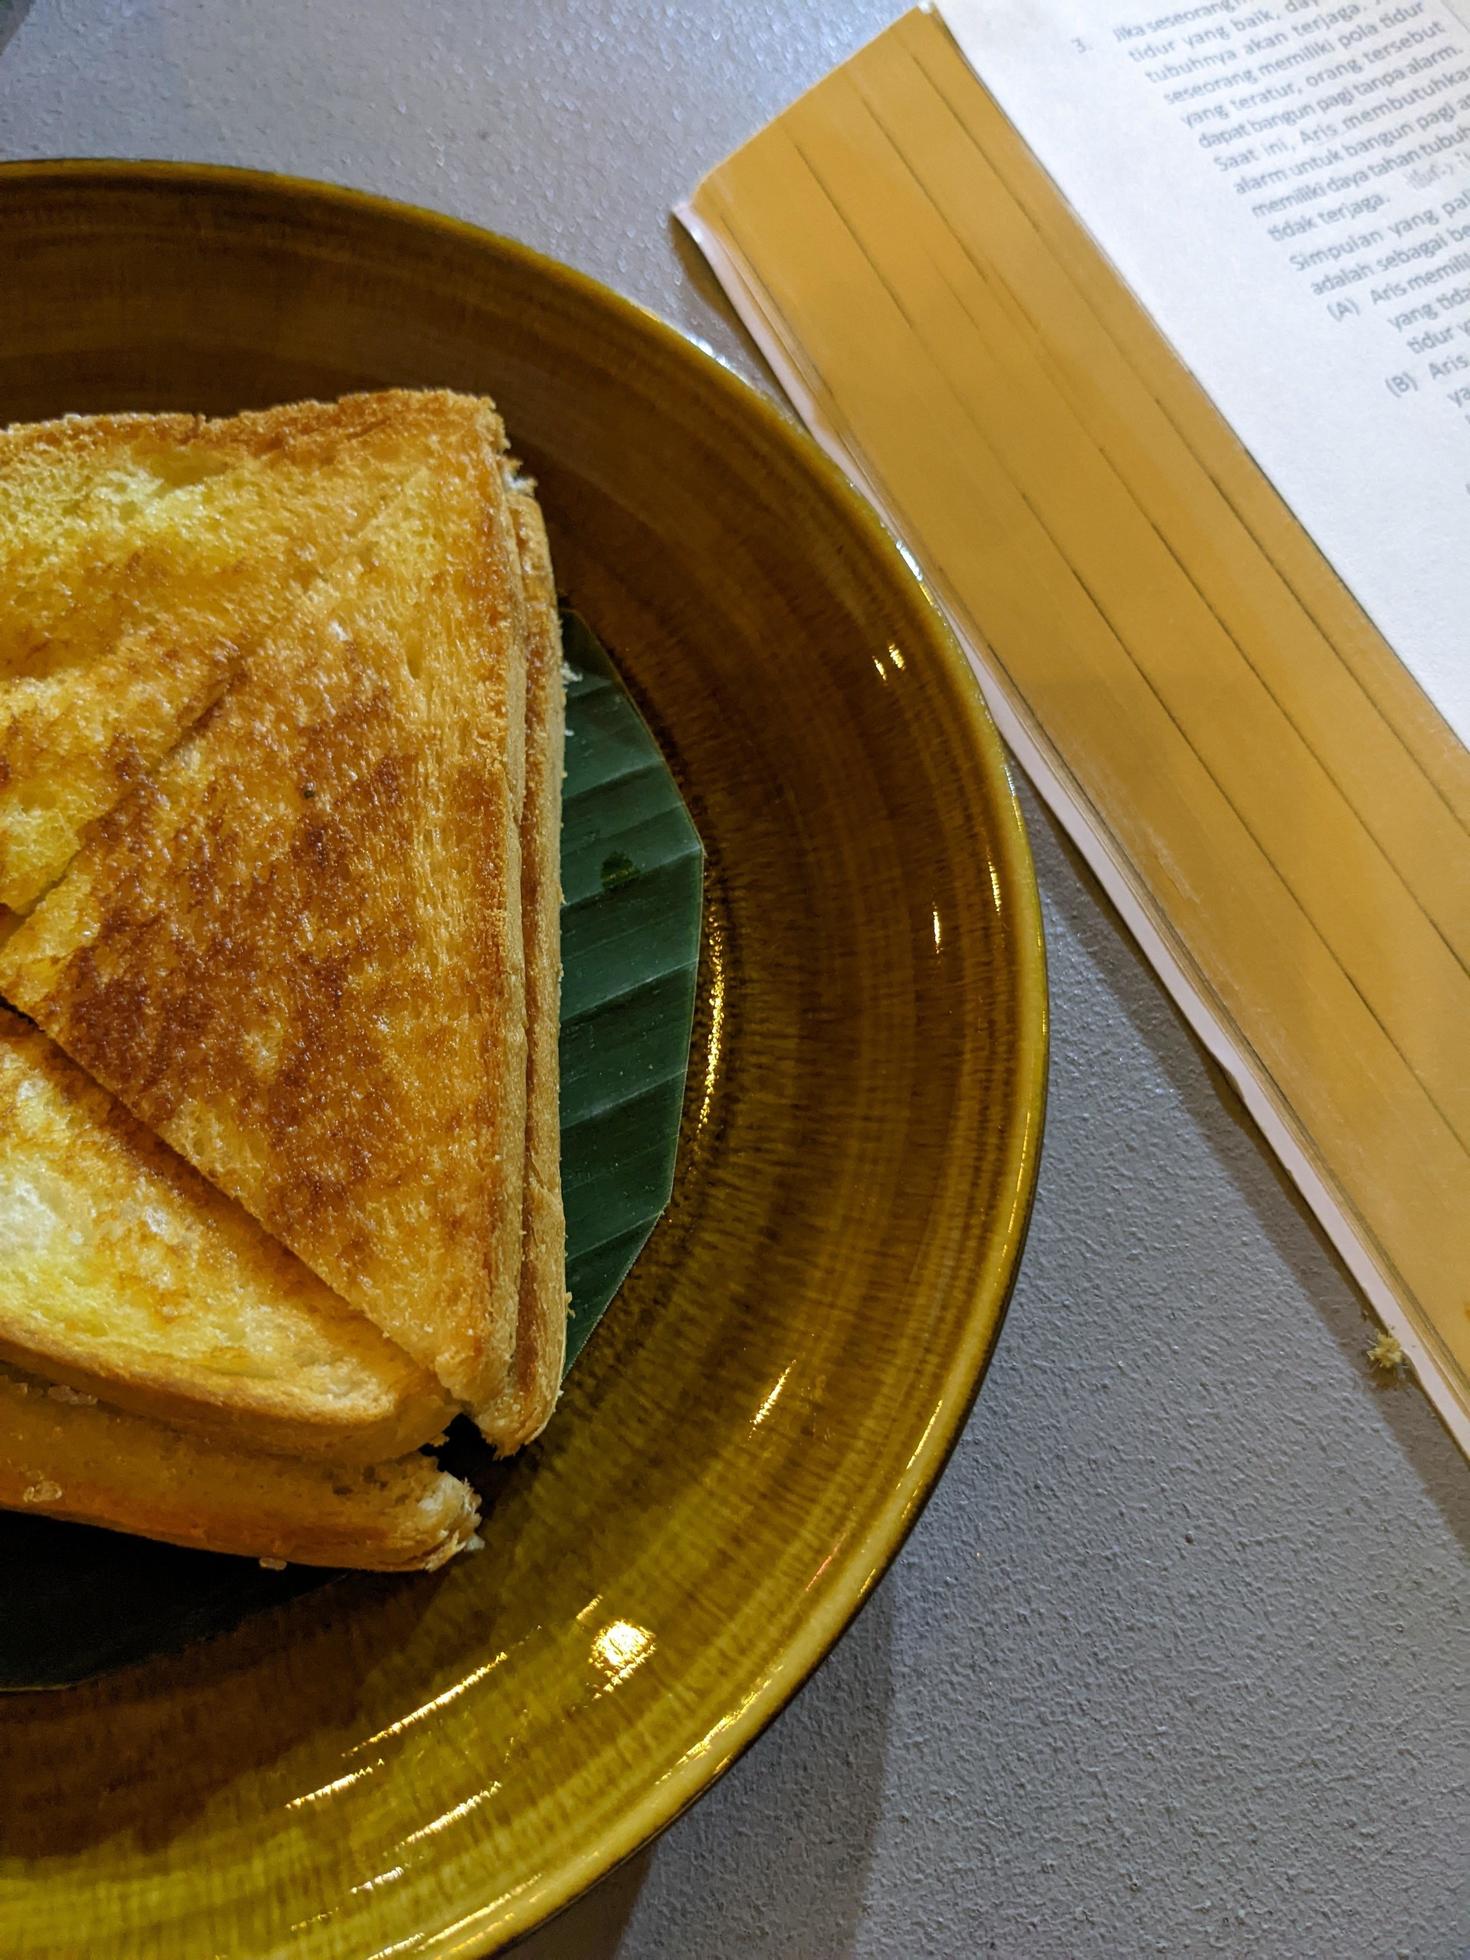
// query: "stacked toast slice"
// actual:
[[280, 776]]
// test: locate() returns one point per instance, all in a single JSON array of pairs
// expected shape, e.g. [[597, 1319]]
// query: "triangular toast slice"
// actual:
[[141, 559], [295, 951], [523, 1404], [126, 1276], [63, 1458]]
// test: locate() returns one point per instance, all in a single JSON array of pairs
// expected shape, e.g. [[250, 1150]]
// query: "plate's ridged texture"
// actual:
[[439, 1762]]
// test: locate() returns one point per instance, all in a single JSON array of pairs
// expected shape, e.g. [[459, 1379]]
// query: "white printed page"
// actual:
[[1285, 184]]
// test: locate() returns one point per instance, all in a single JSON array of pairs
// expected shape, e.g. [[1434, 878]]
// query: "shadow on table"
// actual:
[[12, 13], [799, 1815], [1256, 1174]]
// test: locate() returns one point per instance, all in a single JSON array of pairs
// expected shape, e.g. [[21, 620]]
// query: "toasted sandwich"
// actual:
[[294, 950], [281, 716]]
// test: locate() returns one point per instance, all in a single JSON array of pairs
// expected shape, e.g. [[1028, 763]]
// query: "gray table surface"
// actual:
[[1176, 1660]]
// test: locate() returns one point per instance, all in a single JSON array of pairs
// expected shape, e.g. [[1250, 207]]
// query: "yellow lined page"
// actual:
[[1266, 789]]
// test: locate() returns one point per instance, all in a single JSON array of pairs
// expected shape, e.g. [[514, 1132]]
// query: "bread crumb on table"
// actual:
[[1386, 1355]]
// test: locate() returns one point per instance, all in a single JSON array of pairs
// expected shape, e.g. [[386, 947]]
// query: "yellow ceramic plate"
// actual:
[[434, 1765]]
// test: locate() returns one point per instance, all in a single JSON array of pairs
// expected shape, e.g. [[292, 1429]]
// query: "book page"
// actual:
[[1285, 184]]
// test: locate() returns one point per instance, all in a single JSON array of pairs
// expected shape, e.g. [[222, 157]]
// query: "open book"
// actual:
[[1147, 327]]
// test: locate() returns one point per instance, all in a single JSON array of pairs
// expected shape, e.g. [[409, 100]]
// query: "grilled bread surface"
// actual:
[[141, 559], [294, 951], [125, 1274], [281, 719]]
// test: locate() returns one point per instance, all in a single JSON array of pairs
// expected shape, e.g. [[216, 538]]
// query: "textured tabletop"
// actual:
[[1176, 1660]]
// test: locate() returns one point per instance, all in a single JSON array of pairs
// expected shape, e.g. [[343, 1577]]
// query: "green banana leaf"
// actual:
[[76, 1602]]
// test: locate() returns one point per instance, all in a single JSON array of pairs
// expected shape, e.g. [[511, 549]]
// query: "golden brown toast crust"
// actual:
[[525, 1400], [141, 558], [127, 1276], [295, 950], [95, 1466]]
